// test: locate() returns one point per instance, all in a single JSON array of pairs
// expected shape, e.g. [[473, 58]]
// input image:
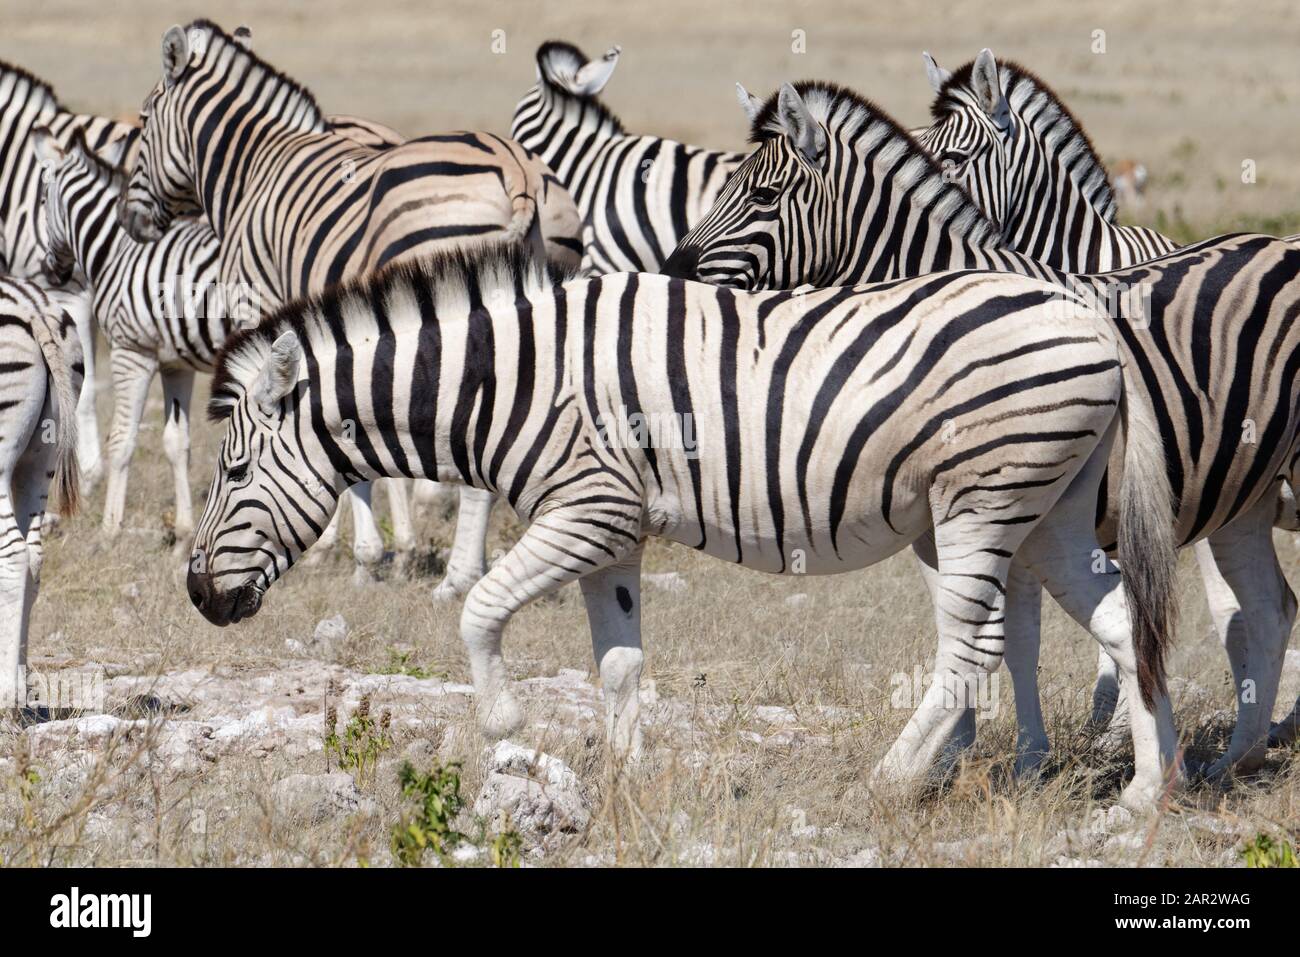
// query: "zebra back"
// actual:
[[27, 103], [638, 195]]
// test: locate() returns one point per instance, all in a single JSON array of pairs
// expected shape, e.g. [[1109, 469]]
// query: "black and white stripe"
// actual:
[[827, 431], [837, 192], [638, 195], [40, 376], [1057, 206], [298, 207]]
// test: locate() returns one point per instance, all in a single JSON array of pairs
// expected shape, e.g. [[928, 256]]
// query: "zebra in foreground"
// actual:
[[638, 195], [40, 376], [819, 439], [1020, 153], [297, 207], [837, 192], [26, 103]]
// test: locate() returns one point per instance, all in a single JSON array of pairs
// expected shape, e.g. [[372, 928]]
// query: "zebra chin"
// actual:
[[223, 607]]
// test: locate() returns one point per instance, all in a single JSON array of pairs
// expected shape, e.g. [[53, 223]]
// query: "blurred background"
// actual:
[[1187, 90]]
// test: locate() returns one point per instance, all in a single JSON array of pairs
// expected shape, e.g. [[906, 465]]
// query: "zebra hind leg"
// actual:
[[1242, 558], [970, 611], [558, 547], [1063, 551]]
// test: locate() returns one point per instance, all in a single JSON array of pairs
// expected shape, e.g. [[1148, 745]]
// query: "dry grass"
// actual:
[[1191, 110]]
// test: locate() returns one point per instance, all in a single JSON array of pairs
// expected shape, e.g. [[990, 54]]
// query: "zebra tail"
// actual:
[[1148, 553], [66, 484]]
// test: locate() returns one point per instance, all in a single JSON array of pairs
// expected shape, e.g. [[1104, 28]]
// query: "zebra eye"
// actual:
[[764, 195], [237, 473]]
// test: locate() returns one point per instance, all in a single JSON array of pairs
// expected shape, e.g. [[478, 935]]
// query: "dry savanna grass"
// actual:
[[766, 710]]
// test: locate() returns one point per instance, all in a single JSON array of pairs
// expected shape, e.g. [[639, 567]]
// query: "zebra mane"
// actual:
[[242, 53], [852, 120], [565, 54], [1053, 124], [38, 86], [451, 276]]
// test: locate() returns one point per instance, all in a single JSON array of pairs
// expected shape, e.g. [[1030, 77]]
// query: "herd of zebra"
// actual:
[[863, 338]]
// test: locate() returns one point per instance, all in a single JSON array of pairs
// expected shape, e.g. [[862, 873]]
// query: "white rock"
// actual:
[[539, 792], [796, 600], [867, 857], [330, 631], [294, 646], [314, 797]]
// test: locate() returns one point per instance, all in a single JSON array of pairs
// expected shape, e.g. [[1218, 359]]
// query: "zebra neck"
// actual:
[[405, 393], [577, 130]]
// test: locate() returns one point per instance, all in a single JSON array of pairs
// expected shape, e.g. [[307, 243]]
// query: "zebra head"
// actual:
[[772, 220], [269, 500], [161, 186], [974, 136], [75, 181], [1016, 149]]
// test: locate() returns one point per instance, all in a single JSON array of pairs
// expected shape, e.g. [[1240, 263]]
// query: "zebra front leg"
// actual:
[[468, 559], [398, 492], [132, 373], [613, 599], [367, 543], [178, 387], [557, 548], [1242, 573]]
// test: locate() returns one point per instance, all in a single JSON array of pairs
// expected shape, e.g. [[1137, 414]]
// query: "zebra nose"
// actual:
[[197, 584], [683, 263]]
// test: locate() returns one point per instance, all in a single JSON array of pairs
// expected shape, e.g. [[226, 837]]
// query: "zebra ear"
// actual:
[[798, 125], [175, 54], [48, 151], [243, 37], [751, 104], [593, 75], [987, 84], [936, 74], [280, 374]]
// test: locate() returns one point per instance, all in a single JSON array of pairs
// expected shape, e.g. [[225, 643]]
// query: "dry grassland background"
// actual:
[[768, 709]]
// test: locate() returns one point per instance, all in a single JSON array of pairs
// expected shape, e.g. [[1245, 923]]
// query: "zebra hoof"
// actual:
[[449, 590], [363, 575], [502, 718]]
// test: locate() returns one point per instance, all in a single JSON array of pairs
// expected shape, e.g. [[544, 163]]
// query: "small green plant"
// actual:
[[438, 801], [505, 847], [1263, 851], [399, 663], [362, 741]]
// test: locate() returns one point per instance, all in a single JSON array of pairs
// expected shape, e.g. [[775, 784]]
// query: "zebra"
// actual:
[[297, 207], [837, 192], [638, 195], [816, 444], [27, 102], [156, 305], [40, 377], [1051, 196]]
